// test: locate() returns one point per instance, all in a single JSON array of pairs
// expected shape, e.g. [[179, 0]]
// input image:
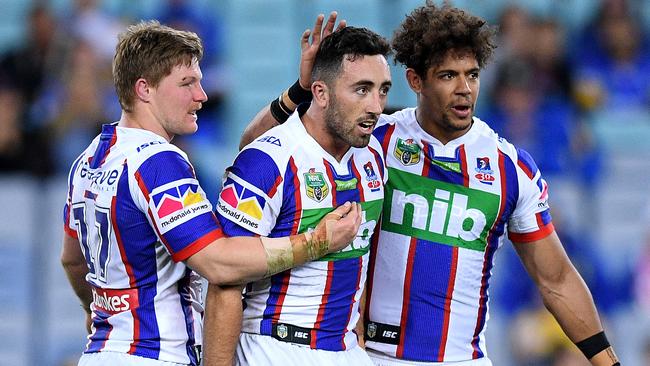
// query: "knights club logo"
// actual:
[[407, 151], [282, 331], [484, 172], [371, 177], [372, 330], [316, 186]]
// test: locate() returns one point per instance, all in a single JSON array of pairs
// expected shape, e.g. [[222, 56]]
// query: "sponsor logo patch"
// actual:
[[407, 151], [111, 301], [316, 185], [241, 205], [177, 203]]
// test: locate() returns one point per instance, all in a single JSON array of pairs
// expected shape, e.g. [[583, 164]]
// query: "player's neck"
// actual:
[[136, 119]]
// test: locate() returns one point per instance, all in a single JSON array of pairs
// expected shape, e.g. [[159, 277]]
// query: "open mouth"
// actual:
[[462, 110], [367, 126]]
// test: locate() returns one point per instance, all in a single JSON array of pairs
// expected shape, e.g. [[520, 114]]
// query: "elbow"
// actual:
[[224, 277], [69, 263]]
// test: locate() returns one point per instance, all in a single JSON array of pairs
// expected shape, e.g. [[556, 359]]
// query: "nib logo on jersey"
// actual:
[[241, 204], [177, 203], [438, 211]]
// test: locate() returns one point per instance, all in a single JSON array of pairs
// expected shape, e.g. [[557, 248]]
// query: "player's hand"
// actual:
[[308, 49], [339, 227]]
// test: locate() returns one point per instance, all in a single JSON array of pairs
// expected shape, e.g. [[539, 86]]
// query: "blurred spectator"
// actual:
[[549, 60], [613, 61], [538, 340], [12, 143], [72, 107], [542, 125], [96, 27], [42, 53], [514, 26]]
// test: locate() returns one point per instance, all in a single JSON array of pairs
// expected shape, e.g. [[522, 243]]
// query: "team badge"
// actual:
[[282, 331], [317, 188], [407, 151], [484, 171], [373, 182], [372, 330]]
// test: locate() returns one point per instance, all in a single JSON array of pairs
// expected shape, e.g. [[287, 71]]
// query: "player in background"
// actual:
[[284, 182], [137, 221], [454, 188]]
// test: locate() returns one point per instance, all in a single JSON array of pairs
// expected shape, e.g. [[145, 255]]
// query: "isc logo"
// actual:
[[301, 334], [448, 214], [389, 334]]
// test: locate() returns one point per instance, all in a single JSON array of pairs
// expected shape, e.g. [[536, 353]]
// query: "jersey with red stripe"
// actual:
[[446, 210], [138, 211], [283, 184]]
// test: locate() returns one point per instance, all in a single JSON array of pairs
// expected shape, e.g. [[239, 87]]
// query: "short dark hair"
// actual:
[[429, 32], [150, 50], [349, 42]]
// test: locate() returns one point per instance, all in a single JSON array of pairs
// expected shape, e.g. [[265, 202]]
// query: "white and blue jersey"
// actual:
[[283, 184], [446, 210], [138, 211]]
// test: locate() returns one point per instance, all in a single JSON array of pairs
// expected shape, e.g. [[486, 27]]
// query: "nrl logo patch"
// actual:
[[316, 186], [407, 151], [372, 330], [282, 331]]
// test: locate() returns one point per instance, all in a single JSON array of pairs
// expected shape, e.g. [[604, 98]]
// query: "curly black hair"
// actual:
[[429, 32]]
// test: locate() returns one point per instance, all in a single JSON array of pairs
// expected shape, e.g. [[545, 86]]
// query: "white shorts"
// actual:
[[382, 359], [108, 358], [261, 350]]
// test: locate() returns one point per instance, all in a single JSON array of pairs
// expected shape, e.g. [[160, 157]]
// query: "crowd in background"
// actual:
[[549, 90]]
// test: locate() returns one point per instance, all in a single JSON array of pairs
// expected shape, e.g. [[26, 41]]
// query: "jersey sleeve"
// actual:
[[249, 203], [167, 190], [531, 219]]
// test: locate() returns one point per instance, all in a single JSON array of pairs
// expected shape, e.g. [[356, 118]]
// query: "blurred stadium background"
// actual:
[[570, 83]]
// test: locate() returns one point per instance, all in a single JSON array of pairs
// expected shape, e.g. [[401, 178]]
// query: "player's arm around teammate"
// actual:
[[567, 297]]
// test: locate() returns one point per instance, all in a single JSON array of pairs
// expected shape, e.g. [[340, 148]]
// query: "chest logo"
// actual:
[[484, 172], [407, 151], [371, 177], [316, 186]]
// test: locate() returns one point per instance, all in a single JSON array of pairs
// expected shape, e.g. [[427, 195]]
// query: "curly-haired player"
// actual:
[[454, 189]]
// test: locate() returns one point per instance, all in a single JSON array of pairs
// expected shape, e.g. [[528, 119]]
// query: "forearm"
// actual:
[[574, 309], [277, 112], [76, 274], [571, 304], [74, 265], [239, 260], [262, 122], [222, 324]]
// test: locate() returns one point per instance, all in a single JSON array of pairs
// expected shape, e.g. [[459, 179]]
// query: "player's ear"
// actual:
[[320, 91], [414, 80], [142, 90]]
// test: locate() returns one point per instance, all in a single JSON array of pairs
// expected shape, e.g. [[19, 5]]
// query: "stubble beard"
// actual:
[[337, 127]]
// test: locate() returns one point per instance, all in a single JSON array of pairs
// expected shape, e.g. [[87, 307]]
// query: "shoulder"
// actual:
[[520, 157]]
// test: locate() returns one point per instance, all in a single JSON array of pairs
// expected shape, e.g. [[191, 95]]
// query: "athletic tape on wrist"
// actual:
[[593, 345]]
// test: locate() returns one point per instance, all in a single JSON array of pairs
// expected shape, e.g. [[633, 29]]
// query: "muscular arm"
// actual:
[[238, 260], [74, 265], [222, 325], [563, 291]]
